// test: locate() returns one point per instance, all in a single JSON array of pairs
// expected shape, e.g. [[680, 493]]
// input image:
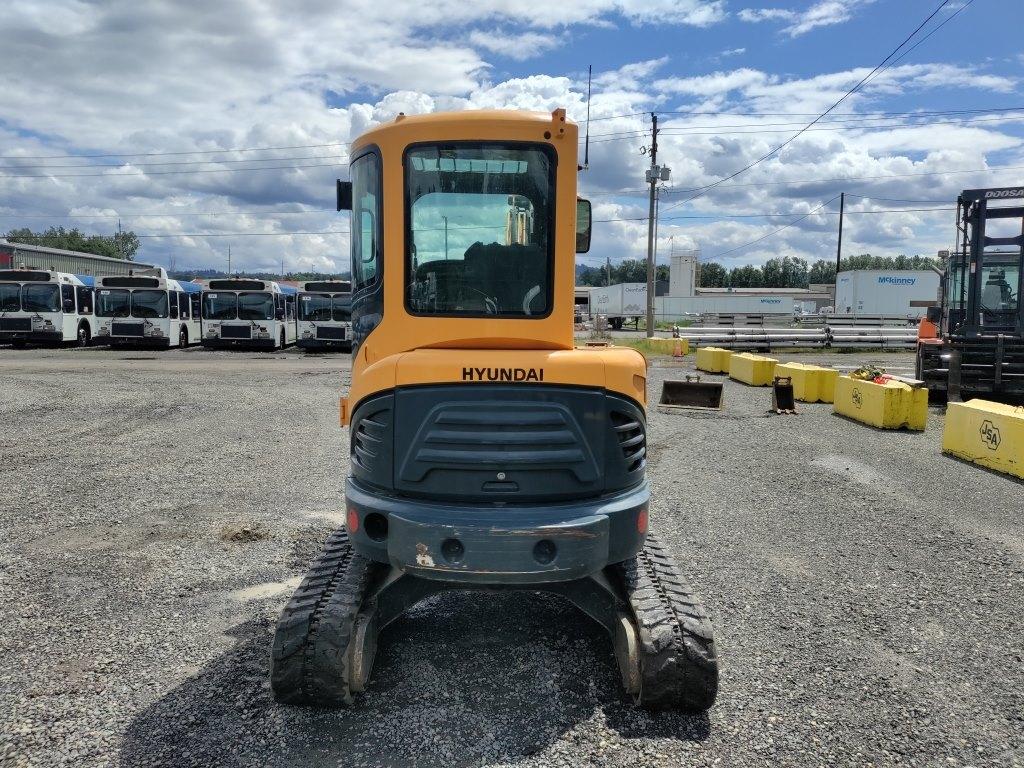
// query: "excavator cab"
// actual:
[[485, 450]]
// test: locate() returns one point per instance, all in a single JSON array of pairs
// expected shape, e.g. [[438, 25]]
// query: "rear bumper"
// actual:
[[345, 344], [38, 337], [491, 544]]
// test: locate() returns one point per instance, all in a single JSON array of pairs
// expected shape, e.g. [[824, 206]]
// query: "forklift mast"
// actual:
[[985, 274]]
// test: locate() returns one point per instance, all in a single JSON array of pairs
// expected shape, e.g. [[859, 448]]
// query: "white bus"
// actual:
[[325, 315], [45, 307], [244, 312], [147, 309]]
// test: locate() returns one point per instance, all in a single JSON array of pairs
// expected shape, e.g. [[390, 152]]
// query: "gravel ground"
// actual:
[[157, 509]]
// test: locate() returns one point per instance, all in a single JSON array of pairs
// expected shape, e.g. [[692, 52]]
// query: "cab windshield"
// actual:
[[10, 297], [480, 239], [149, 304], [40, 298], [315, 307], [255, 306], [112, 303], [220, 306], [342, 307]]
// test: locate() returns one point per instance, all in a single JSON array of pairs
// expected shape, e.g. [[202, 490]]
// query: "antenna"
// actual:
[[586, 144]]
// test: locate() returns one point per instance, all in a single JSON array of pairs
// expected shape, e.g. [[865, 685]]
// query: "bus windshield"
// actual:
[[112, 303], [343, 308], [10, 297], [149, 304], [315, 307], [220, 306], [255, 306], [40, 298]]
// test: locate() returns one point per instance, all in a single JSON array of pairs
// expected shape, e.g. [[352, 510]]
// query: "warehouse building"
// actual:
[[14, 255], [685, 299]]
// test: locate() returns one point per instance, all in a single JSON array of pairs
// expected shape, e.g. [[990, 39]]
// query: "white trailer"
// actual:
[[45, 307], [244, 312], [619, 303], [147, 309], [325, 315], [886, 292]]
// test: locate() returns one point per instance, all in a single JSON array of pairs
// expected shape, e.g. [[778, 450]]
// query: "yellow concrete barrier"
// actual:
[[892, 405], [668, 346], [751, 369], [713, 359], [811, 383], [986, 433]]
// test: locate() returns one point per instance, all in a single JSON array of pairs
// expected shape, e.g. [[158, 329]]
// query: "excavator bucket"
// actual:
[[783, 400], [690, 394]]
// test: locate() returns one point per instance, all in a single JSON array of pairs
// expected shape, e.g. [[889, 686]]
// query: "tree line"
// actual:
[[120, 245], [784, 272]]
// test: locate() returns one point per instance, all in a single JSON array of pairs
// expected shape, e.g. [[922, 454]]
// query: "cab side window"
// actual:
[[183, 306], [289, 307], [67, 294], [84, 300], [196, 299], [173, 296]]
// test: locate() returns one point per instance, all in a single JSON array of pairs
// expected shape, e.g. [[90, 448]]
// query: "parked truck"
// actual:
[[619, 303]]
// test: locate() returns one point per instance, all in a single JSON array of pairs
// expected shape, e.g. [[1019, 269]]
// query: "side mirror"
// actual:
[[279, 314], [344, 191], [69, 306], [583, 225]]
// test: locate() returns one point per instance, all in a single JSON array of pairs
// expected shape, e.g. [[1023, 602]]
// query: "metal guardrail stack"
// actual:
[[842, 337]]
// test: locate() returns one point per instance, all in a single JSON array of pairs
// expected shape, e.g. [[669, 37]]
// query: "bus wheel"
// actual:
[[83, 335], [183, 338]]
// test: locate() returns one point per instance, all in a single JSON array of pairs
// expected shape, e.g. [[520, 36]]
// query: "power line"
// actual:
[[880, 67], [833, 180], [893, 199], [165, 173], [775, 232], [175, 162], [167, 214], [183, 152], [853, 120], [244, 234]]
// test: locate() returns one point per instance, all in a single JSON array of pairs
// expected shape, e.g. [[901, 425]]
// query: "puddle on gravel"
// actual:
[[848, 466], [264, 591]]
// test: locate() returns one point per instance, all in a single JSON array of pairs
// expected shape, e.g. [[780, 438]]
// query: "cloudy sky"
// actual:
[[206, 125]]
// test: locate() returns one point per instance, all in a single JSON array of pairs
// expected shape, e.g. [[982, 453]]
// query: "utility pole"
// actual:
[[229, 261], [652, 177], [608, 272], [839, 245]]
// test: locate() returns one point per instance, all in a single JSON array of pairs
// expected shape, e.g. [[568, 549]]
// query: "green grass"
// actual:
[[645, 347]]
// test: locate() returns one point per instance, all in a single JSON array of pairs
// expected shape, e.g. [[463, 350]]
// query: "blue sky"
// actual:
[[187, 84]]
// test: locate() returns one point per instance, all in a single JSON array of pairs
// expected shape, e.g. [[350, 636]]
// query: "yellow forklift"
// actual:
[[486, 451]]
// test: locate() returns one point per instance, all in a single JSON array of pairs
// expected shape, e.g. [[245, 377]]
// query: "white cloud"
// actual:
[[757, 15], [823, 13], [518, 46], [191, 76]]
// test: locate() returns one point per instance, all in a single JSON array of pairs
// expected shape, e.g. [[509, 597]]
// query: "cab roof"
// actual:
[[437, 125]]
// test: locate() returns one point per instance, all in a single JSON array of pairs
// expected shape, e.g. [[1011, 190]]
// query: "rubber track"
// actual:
[[310, 653], [679, 667]]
